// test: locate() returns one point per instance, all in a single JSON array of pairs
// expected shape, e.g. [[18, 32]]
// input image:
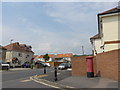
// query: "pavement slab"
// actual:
[[84, 82], [65, 78], [49, 83]]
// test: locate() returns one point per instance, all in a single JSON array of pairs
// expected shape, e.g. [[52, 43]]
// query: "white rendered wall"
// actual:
[[110, 31]]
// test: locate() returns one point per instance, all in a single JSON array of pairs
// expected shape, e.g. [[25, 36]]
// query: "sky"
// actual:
[[52, 27]]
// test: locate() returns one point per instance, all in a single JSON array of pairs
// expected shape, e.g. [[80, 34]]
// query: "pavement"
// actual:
[[68, 81], [84, 82], [49, 83]]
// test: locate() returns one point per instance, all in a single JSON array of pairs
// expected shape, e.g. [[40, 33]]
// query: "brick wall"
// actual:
[[107, 64], [79, 66]]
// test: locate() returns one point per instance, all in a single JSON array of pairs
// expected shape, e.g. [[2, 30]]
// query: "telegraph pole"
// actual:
[[82, 49]]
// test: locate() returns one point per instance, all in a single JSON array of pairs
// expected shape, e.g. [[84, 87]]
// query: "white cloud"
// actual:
[[44, 41], [80, 19], [44, 47], [75, 12], [60, 0], [59, 20]]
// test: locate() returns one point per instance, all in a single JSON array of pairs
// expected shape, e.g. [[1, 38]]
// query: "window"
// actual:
[[27, 55], [20, 54]]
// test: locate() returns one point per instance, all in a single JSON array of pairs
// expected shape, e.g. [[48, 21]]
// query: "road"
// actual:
[[21, 79]]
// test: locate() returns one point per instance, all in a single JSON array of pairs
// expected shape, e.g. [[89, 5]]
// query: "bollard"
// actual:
[[44, 70], [55, 74], [90, 71]]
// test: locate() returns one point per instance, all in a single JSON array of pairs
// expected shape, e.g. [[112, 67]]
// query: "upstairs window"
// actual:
[[28, 55], [20, 54]]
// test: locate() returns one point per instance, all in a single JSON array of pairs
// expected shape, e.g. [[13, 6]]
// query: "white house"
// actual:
[[17, 54], [96, 44], [2, 53], [107, 38]]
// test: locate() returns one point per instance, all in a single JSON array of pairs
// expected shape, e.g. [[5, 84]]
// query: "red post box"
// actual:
[[90, 71]]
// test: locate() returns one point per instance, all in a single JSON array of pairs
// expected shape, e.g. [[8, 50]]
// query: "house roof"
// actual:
[[110, 11], [50, 55], [1, 47], [17, 47], [23, 45], [35, 56], [41, 56], [97, 36], [63, 55]]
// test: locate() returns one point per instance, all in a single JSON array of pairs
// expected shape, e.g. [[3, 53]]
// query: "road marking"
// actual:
[[52, 71], [34, 78], [40, 76], [44, 83], [25, 80]]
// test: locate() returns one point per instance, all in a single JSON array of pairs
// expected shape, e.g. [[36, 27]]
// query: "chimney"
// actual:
[[16, 43]]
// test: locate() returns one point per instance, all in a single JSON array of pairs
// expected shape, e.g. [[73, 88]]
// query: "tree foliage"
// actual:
[[46, 57]]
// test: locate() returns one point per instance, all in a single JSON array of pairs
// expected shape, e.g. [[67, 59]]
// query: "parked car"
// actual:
[[37, 62], [69, 65], [41, 63], [4, 65], [26, 65], [63, 66], [47, 64]]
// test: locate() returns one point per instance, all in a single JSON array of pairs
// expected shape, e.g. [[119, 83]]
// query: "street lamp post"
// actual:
[[55, 68]]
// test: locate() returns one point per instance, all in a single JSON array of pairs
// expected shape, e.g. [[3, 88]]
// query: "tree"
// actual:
[[46, 57]]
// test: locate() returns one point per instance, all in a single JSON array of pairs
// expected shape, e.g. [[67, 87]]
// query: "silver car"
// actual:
[[63, 66]]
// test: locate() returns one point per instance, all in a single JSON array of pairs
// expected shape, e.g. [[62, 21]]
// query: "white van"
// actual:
[[4, 65]]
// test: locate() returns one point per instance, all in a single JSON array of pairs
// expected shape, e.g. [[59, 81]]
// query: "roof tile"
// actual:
[[64, 55]]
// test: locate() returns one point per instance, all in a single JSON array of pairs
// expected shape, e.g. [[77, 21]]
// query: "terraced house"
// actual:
[[17, 54]]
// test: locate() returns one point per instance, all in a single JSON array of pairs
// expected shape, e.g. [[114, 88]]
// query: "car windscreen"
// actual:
[[63, 64], [1, 62]]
